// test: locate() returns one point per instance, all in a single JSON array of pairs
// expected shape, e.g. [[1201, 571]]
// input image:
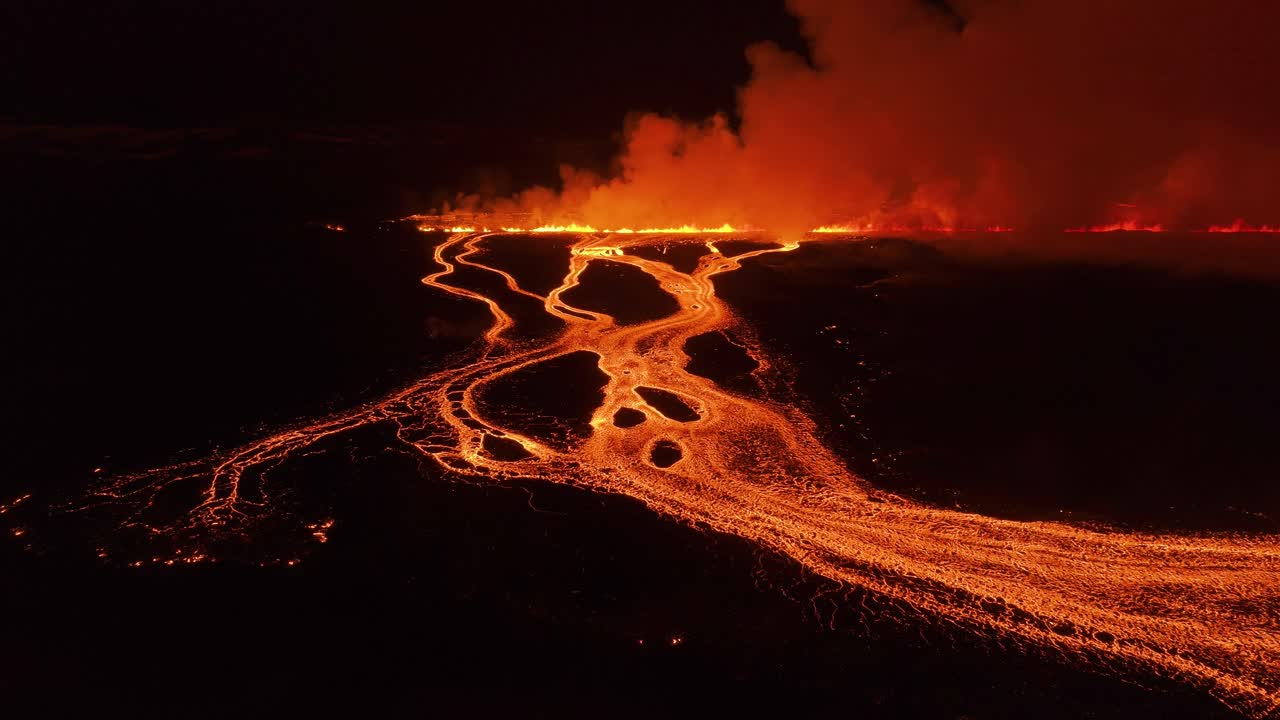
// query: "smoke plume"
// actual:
[[1035, 114]]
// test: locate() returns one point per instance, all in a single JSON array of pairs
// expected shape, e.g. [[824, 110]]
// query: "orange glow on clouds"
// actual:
[[1240, 226], [1038, 115]]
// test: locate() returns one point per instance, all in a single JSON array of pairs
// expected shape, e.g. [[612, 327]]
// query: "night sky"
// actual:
[[568, 68], [347, 108]]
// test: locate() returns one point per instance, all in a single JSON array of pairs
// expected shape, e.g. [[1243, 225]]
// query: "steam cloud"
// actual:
[[1036, 114]]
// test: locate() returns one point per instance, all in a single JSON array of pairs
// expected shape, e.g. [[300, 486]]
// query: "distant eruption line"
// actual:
[[1237, 226], [1201, 608]]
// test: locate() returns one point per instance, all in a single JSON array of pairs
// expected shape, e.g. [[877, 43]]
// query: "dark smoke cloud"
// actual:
[[1036, 114]]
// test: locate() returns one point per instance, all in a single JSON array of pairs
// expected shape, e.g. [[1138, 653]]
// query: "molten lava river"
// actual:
[[1204, 608]]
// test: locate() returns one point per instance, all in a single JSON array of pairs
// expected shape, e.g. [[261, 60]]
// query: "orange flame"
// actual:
[[1240, 226], [868, 228], [1126, 226]]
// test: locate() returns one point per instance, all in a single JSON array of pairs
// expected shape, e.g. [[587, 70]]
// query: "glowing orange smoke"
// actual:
[[1200, 607], [1240, 226], [1037, 115]]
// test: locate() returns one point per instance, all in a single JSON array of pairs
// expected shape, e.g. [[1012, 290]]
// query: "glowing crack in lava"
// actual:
[[1201, 608]]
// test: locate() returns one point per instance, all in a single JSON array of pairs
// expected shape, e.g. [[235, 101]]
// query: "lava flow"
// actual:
[[1201, 608]]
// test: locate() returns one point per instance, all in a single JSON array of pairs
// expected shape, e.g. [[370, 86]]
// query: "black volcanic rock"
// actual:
[[627, 293]]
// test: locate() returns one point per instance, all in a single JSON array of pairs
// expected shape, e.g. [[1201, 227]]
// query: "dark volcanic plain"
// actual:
[[1081, 392]]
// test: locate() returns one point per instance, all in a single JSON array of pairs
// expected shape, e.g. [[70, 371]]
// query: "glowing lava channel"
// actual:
[[1201, 608]]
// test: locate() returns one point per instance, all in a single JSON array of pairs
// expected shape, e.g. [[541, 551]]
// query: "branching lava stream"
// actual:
[[1202, 608]]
